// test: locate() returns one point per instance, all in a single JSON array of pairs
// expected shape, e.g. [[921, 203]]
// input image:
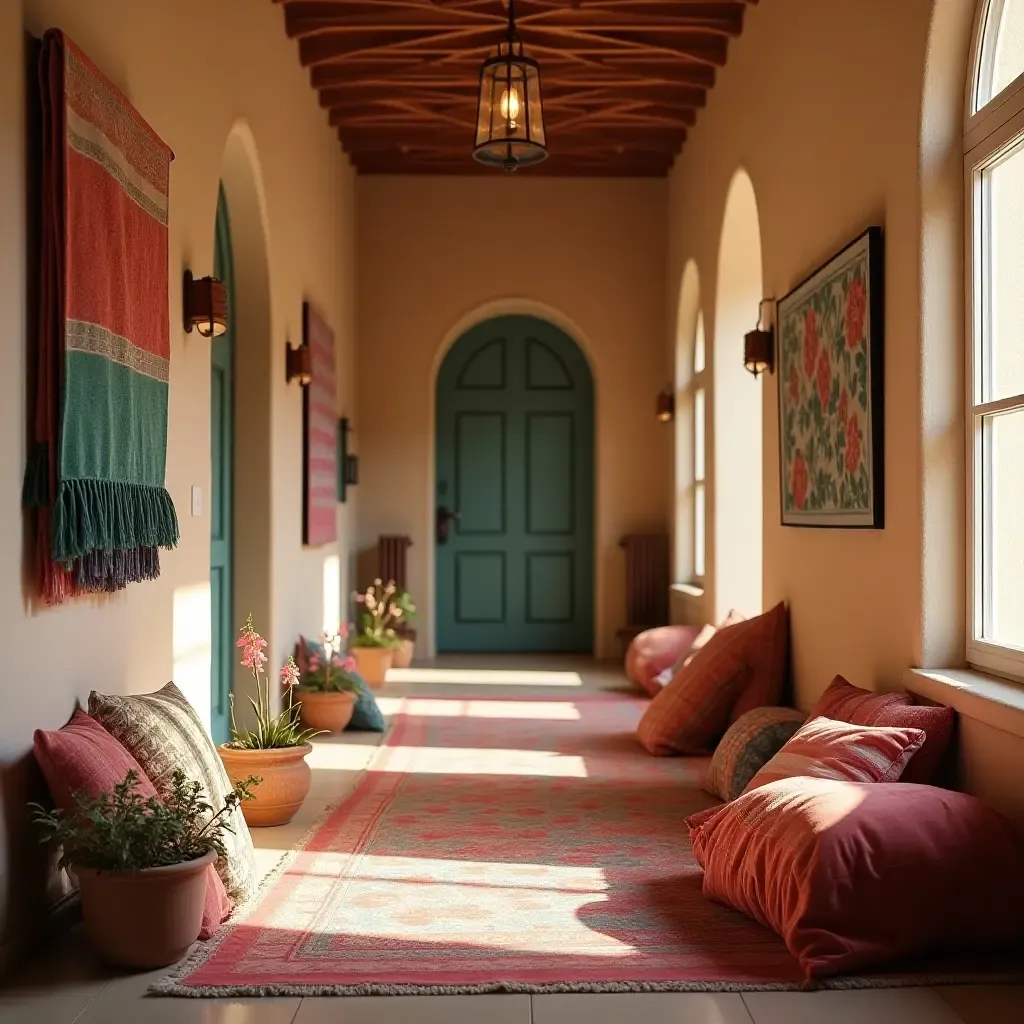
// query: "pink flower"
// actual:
[[810, 342], [359, 598], [853, 444], [349, 665], [290, 673], [314, 662], [394, 611], [337, 661], [799, 481], [843, 405], [343, 631], [824, 379], [856, 306], [252, 645]]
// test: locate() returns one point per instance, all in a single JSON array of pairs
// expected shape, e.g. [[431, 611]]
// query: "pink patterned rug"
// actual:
[[499, 845]]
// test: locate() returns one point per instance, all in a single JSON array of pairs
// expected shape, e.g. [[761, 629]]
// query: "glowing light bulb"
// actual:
[[510, 106]]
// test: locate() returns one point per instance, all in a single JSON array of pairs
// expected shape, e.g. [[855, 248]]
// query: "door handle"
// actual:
[[444, 517]]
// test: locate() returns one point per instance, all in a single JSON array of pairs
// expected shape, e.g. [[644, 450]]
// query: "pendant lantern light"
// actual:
[[510, 116]]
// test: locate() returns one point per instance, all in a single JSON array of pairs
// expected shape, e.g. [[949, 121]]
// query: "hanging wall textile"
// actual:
[[95, 476], [320, 434]]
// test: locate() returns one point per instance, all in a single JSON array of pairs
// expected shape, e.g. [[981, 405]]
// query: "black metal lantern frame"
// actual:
[[510, 113]]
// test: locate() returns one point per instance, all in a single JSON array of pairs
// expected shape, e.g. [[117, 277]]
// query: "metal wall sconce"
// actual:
[[666, 405], [759, 345], [298, 364], [348, 464], [204, 305]]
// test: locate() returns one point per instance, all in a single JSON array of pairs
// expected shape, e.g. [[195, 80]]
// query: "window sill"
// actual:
[[989, 699], [688, 589]]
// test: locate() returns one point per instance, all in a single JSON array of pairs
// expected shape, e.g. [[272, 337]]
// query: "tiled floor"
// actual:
[[68, 987]]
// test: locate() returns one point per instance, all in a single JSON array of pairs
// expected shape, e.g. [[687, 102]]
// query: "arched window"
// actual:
[[994, 173], [697, 387]]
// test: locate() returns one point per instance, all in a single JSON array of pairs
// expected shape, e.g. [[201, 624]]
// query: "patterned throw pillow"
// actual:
[[162, 732], [366, 714], [824, 749], [748, 745]]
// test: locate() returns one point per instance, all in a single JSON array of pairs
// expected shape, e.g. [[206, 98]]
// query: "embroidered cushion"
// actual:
[[366, 713], [83, 757], [748, 744], [844, 702], [163, 732], [655, 651], [767, 656], [836, 750], [854, 876]]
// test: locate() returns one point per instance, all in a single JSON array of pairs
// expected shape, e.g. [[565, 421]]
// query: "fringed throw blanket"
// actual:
[[96, 474]]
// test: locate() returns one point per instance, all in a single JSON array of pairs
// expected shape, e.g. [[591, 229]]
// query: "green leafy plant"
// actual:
[[124, 831], [405, 603], [380, 618], [335, 672], [272, 732]]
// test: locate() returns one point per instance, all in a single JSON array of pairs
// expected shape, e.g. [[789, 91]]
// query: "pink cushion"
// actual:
[[825, 749], [654, 651], [845, 702], [84, 758], [856, 875]]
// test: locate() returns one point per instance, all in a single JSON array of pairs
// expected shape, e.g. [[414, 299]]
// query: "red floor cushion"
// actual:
[[845, 702], [83, 757], [768, 655], [656, 650], [856, 875], [825, 749]]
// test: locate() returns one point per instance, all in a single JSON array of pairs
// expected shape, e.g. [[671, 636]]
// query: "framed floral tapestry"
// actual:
[[831, 400], [320, 433]]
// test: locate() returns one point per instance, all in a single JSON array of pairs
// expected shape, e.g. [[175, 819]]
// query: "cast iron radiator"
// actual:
[[391, 558], [647, 571]]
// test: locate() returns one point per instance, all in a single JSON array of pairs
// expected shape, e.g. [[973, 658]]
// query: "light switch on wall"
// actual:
[[197, 500]]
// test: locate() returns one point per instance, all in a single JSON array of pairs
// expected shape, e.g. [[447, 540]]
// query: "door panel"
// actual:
[[515, 464]]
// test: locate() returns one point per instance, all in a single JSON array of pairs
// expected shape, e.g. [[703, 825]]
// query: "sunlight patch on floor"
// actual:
[[477, 761], [348, 757], [484, 677], [547, 711]]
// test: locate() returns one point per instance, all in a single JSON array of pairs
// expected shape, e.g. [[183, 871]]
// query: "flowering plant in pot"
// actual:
[[406, 634], [328, 690], [375, 642], [275, 749], [142, 864]]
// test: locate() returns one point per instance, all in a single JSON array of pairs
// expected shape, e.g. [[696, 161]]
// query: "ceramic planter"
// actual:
[[403, 655], [286, 779], [330, 710], [373, 663], [144, 919]]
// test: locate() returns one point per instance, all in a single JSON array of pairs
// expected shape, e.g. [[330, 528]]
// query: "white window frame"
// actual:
[[699, 382], [988, 133]]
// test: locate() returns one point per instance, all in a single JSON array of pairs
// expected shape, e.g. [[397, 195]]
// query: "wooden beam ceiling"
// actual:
[[622, 80]]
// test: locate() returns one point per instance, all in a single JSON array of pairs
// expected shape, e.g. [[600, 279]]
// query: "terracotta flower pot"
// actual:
[[286, 779], [330, 711], [146, 918], [373, 664], [403, 655]]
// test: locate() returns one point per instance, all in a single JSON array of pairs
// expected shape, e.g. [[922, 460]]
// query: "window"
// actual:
[[994, 170], [699, 452]]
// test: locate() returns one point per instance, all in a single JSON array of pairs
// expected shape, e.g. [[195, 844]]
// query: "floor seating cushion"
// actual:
[[740, 666], [844, 702], [748, 744], [656, 651], [366, 713], [825, 749], [162, 732], [83, 757], [854, 876]]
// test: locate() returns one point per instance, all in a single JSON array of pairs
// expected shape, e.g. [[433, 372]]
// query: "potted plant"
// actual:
[[406, 634], [375, 643], [142, 865], [275, 750], [328, 690]]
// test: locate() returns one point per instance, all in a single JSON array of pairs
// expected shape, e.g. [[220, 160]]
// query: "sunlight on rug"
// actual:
[[484, 677]]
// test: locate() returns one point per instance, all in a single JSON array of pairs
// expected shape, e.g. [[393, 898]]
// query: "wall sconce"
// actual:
[[298, 364], [204, 305], [759, 345], [666, 405]]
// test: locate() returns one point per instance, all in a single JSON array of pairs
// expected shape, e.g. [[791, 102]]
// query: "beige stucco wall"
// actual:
[[830, 135], [437, 254], [194, 69]]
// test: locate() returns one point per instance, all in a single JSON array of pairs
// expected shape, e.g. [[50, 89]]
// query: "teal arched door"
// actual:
[[222, 433], [515, 491]]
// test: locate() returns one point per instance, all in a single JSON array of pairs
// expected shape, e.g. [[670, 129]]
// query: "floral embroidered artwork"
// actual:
[[830, 366]]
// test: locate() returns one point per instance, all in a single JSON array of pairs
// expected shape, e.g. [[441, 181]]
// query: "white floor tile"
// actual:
[[489, 1009], [874, 1006], [649, 1007], [986, 1004]]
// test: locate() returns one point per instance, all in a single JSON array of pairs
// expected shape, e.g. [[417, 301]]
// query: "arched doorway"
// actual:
[[737, 484], [515, 491]]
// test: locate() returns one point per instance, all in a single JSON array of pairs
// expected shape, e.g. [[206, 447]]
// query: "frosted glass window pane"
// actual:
[[698, 531], [1003, 353], [1003, 500], [698, 345], [698, 435], [1007, 37]]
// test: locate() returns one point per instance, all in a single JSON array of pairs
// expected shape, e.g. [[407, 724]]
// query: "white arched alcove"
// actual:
[[689, 365], [736, 499]]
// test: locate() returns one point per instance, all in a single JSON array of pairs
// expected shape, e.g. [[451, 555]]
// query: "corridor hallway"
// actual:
[[496, 732]]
